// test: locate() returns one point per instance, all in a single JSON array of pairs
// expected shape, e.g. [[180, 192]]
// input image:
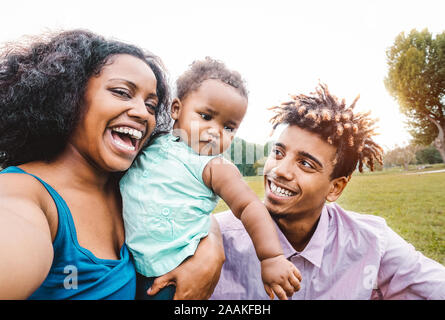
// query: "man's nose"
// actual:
[[284, 168]]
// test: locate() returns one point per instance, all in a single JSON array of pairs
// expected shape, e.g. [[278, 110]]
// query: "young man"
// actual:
[[340, 254]]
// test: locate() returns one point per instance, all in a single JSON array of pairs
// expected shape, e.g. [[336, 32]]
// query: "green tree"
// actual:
[[428, 155], [416, 79], [401, 156]]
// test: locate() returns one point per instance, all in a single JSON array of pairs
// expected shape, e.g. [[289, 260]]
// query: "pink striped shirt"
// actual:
[[350, 256]]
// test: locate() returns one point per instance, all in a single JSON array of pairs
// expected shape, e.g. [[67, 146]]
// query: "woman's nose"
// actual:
[[138, 109]]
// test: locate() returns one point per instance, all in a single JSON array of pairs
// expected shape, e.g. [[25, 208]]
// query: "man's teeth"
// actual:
[[133, 133], [280, 191]]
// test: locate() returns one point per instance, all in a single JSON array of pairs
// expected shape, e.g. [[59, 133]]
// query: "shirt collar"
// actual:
[[313, 251]]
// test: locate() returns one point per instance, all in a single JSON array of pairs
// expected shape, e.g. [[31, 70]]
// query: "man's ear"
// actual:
[[336, 188], [176, 108]]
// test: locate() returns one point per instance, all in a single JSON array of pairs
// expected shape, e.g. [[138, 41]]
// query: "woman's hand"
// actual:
[[197, 276]]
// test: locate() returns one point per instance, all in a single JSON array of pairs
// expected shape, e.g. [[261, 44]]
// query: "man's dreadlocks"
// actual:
[[327, 116]]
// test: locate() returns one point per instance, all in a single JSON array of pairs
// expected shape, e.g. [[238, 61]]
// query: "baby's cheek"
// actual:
[[226, 144]]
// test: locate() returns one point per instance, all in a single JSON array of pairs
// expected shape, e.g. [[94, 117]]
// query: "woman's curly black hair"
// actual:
[[201, 70], [42, 87], [324, 114]]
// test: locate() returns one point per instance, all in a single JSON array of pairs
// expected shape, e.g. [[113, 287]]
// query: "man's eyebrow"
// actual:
[[279, 144], [308, 155]]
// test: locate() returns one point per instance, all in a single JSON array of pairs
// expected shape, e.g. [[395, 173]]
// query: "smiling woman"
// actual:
[[49, 77], [121, 98], [75, 110]]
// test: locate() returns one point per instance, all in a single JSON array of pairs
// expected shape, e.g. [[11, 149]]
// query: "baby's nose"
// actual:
[[214, 132]]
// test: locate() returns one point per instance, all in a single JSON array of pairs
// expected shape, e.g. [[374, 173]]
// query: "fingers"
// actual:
[[279, 291], [282, 291], [295, 282], [281, 276], [291, 285], [160, 283], [180, 294], [297, 274], [269, 291]]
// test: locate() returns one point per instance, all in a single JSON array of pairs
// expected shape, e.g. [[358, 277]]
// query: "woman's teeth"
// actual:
[[131, 148], [130, 141], [133, 133], [280, 191]]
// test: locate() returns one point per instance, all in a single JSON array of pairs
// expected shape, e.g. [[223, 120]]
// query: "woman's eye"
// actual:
[[229, 129], [121, 92], [206, 117], [151, 107]]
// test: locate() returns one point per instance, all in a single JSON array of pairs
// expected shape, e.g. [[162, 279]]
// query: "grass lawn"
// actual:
[[412, 204]]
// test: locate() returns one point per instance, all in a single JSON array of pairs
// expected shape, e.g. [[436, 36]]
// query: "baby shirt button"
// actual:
[[145, 174], [165, 211]]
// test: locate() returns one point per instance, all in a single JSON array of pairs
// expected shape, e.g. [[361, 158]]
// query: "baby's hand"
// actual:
[[280, 276]]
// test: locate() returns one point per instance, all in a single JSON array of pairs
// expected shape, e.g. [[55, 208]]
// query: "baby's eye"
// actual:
[[229, 129], [206, 116]]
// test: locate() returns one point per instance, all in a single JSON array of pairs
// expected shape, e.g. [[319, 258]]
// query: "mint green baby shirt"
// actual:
[[166, 205]]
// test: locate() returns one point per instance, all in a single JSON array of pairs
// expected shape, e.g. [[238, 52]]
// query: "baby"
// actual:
[[173, 186]]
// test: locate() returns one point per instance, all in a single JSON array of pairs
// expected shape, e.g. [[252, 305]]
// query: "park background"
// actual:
[[286, 47]]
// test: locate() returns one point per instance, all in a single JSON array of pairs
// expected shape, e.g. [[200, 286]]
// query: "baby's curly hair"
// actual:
[[42, 87], [206, 69], [327, 116]]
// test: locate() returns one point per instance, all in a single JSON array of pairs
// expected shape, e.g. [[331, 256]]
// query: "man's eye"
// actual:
[[206, 117], [306, 164], [276, 153]]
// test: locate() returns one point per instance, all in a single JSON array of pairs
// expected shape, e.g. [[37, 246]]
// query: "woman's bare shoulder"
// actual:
[[14, 186], [24, 197], [25, 236]]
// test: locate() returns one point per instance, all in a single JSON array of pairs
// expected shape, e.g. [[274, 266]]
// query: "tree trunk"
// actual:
[[440, 146], [405, 166], [439, 142]]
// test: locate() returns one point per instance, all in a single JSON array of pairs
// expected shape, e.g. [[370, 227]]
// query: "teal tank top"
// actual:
[[75, 272], [166, 205]]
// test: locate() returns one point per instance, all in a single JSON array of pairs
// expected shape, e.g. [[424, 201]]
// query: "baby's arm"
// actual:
[[278, 274]]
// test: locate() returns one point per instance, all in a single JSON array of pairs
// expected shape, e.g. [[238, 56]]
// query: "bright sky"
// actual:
[[279, 47]]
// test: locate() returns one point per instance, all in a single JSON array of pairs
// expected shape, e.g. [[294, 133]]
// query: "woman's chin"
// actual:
[[120, 166], [116, 164]]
